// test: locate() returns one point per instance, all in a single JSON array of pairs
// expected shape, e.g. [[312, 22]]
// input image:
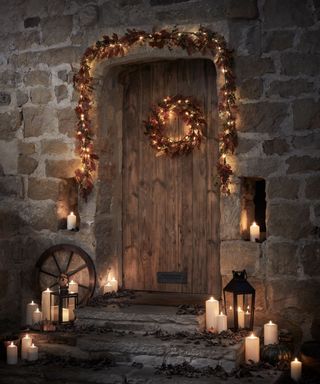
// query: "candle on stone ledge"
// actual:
[[73, 286], [71, 221], [31, 307], [107, 288], [212, 311], [252, 349], [36, 316], [25, 344], [270, 333], [240, 318], [221, 322], [33, 353], [254, 232], [45, 304], [12, 354], [114, 284], [295, 369]]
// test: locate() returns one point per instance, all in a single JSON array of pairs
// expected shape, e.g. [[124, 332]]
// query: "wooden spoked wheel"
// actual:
[[70, 260]]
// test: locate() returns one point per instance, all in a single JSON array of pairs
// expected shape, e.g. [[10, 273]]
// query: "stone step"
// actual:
[[140, 318]]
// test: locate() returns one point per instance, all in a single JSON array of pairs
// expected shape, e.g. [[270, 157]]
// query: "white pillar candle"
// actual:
[[65, 314], [295, 369], [212, 310], [252, 348], [221, 322], [247, 317], [71, 221], [230, 315], [254, 232], [114, 284], [36, 316], [73, 287], [31, 307], [12, 354], [45, 304], [25, 344], [55, 313], [33, 352], [240, 318], [270, 333], [107, 288]]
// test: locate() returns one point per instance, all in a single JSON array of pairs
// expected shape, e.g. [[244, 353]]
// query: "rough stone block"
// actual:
[[290, 88], [62, 168], [295, 64], [5, 98], [9, 156], [10, 222], [287, 13], [247, 67], [312, 190], [54, 147], [302, 164], [309, 42], [88, 15], [63, 75], [40, 95], [310, 258], [251, 89], [242, 9], [41, 215], [256, 167], [238, 255], [67, 121], [306, 114], [43, 189], [288, 220], [154, 3], [26, 148], [276, 146], [262, 117], [31, 22], [11, 186], [10, 78], [38, 120], [277, 40], [9, 123], [282, 187], [22, 98], [281, 259], [61, 92], [37, 78], [27, 164], [245, 145], [308, 142], [26, 40], [56, 29]]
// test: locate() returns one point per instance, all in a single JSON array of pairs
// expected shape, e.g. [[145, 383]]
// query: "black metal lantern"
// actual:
[[239, 301]]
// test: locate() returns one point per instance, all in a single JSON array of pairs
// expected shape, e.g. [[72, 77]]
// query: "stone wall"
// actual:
[[276, 46]]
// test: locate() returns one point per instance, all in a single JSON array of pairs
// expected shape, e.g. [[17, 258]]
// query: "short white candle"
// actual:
[[270, 333], [33, 352], [73, 287], [221, 322], [45, 304], [36, 316], [230, 316], [12, 353], [25, 344], [295, 369], [254, 232], [212, 311], [31, 307], [114, 284], [55, 313], [107, 288], [252, 348], [71, 221], [247, 317], [240, 318]]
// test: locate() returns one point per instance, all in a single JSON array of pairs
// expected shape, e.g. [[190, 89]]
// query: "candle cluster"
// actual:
[[28, 351], [111, 286], [204, 41]]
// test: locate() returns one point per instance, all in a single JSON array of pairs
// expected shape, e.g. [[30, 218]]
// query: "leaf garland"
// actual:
[[204, 41]]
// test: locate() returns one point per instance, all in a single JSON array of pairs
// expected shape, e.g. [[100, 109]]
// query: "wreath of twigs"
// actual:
[[202, 41], [190, 113]]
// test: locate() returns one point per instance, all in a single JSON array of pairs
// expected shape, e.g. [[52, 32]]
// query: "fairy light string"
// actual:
[[204, 41]]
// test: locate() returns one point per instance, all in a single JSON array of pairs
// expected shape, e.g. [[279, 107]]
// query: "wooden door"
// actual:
[[170, 207]]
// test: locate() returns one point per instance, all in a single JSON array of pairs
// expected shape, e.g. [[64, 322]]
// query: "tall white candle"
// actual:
[[36, 316], [12, 353], [73, 287], [230, 315], [270, 333], [254, 232], [247, 317], [212, 311], [31, 307], [295, 369], [71, 221], [221, 322], [240, 318], [33, 352], [45, 304], [252, 349], [25, 344], [114, 284], [107, 288]]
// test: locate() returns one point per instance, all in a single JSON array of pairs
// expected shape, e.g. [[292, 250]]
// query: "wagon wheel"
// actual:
[[69, 260]]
